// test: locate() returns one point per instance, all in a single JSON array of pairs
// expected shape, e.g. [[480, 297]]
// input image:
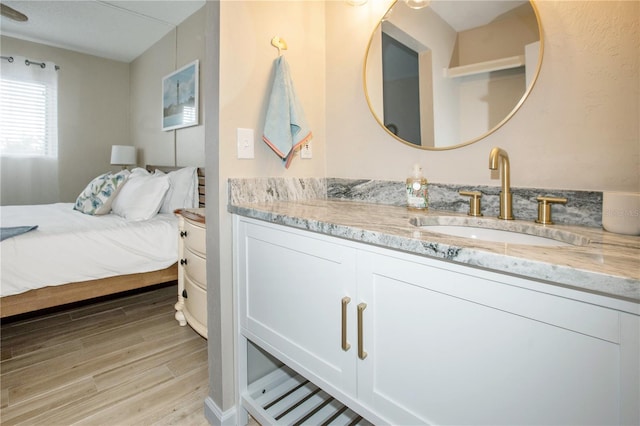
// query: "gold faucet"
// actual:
[[498, 154]]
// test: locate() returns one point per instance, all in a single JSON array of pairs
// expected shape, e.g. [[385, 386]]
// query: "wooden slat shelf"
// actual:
[[286, 398]]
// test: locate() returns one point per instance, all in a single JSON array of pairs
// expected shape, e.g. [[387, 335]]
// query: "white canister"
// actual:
[[621, 212]]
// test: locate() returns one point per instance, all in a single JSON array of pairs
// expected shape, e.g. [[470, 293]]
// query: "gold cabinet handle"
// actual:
[[361, 353], [345, 344]]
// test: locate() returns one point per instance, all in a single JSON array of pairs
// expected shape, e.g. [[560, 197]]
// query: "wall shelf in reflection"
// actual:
[[487, 66]]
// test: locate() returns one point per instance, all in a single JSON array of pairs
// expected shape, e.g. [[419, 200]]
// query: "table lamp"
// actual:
[[123, 155]]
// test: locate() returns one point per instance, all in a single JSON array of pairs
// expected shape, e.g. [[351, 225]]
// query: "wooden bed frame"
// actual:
[[47, 297]]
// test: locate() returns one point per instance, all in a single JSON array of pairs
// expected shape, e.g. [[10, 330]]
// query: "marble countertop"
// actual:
[[606, 264]]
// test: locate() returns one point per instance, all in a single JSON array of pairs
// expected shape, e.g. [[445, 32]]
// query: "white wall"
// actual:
[[577, 130], [93, 112]]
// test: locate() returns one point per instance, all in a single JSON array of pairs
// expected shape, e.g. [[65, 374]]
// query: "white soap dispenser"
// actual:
[[417, 190]]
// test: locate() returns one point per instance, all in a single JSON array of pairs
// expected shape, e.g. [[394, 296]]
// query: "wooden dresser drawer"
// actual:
[[195, 301], [196, 268], [195, 237]]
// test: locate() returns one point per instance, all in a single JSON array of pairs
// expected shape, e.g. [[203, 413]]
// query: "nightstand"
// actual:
[[192, 270]]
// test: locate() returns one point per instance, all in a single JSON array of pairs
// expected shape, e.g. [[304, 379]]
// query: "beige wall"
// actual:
[[577, 130], [93, 111], [181, 147], [153, 145], [246, 72], [247, 59], [505, 37], [104, 102]]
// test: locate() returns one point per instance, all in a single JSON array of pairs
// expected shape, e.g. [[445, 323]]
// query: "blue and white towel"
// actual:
[[14, 231], [285, 128]]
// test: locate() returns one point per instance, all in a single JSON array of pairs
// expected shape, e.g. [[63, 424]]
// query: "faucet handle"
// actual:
[[544, 208], [474, 202]]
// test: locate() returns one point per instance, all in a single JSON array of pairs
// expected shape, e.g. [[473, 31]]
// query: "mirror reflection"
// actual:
[[444, 73]]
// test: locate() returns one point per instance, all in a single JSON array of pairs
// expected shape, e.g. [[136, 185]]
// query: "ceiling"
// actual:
[[465, 14], [119, 30], [123, 29]]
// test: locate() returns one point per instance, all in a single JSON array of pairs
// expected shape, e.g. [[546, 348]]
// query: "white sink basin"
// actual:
[[500, 231], [495, 235]]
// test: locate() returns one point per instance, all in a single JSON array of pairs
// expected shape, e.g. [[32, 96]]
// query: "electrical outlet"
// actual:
[[245, 143], [305, 151]]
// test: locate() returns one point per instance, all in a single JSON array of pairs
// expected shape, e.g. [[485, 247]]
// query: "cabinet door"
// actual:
[[291, 290], [448, 347]]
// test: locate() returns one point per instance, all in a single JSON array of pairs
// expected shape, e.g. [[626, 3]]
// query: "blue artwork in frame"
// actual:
[[180, 97]]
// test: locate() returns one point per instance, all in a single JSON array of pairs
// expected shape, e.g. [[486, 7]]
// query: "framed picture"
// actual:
[[180, 97]]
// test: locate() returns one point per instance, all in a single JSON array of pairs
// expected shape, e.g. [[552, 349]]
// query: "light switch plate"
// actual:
[[245, 143], [305, 151]]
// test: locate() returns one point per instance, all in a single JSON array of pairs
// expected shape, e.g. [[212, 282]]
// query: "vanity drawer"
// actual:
[[195, 305], [195, 268], [195, 237]]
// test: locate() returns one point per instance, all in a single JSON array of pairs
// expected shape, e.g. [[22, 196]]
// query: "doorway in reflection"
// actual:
[[407, 88], [401, 90]]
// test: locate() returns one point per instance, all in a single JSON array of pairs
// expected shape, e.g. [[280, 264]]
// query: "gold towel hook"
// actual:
[[279, 44]]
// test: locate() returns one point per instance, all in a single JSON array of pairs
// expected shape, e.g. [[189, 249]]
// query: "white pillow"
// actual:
[[183, 189], [140, 171], [97, 197], [141, 196]]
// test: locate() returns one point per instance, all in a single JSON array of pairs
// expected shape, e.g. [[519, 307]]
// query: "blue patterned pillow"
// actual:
[[97, 196]]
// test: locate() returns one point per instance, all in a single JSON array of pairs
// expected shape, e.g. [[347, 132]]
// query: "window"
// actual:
[[28, 110]]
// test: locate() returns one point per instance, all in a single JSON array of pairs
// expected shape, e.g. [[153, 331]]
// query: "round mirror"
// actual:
[[441, 74]]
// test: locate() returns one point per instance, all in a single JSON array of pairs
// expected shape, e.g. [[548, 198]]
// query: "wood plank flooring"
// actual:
[[119, 361]]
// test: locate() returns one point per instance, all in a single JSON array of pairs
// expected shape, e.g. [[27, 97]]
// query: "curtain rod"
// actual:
[[28, 62]]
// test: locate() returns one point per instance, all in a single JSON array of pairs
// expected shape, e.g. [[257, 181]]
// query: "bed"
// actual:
[[72, 256]]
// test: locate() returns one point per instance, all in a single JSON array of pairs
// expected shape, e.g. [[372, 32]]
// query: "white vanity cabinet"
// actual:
[[453, 346], [431, 342], [291, 300], [191, 307]]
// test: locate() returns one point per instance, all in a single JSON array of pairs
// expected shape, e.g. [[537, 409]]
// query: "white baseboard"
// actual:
[[216, 417]]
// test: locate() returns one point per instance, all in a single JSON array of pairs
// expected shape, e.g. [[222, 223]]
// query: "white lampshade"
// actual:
[[122, 155]]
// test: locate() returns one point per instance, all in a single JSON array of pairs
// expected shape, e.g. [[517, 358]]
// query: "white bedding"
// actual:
[[69, 246]]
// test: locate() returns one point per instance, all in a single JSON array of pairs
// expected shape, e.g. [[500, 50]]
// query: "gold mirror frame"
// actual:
[[482, 136]]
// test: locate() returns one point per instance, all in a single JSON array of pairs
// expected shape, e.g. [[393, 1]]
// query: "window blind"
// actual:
[[28, 118]]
